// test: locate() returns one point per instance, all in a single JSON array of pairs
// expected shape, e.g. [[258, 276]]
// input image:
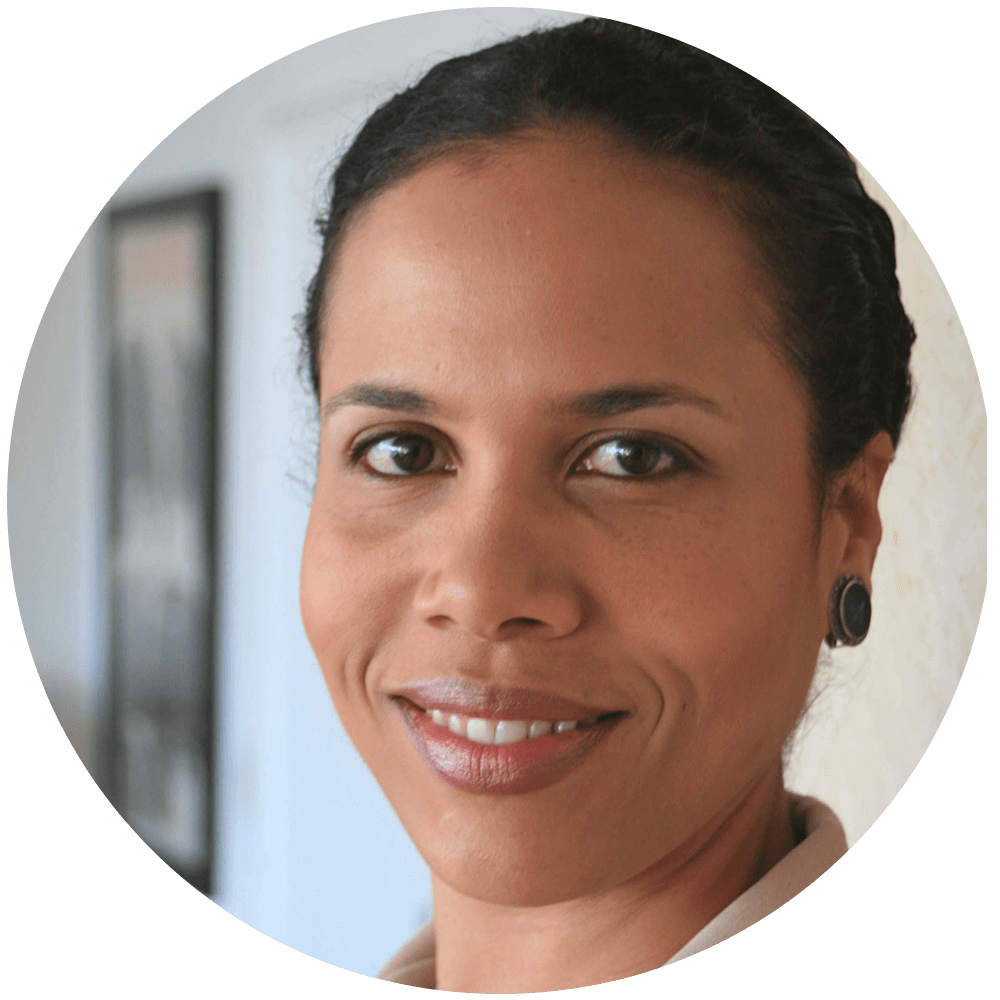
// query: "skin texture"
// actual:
[[694, 598]]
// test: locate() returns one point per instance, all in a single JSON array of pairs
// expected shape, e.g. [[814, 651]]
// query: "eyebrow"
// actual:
[[608, 402]]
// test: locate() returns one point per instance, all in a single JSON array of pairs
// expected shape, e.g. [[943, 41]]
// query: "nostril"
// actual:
[[523, 621]]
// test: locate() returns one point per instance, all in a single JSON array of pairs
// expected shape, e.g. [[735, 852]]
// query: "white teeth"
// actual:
[[481, 731], [510, 731], [504, 731]]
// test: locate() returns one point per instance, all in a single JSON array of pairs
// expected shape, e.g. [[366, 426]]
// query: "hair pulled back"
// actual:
[[827, 248]]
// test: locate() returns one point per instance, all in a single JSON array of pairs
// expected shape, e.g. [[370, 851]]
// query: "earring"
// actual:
[[850, 611]]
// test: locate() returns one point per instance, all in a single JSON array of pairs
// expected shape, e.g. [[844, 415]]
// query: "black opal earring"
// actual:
[[850, 611]]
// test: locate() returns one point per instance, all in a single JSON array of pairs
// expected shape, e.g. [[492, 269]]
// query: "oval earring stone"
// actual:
[[855, 611]]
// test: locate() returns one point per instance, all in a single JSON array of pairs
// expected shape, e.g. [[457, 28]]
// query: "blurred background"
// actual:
[[159, 487]]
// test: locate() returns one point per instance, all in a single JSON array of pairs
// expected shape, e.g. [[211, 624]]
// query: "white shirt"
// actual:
[[822, 844]]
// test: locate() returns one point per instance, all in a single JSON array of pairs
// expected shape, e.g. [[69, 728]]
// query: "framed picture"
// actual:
[[163, 264]]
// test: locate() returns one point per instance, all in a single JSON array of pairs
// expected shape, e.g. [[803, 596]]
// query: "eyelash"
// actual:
[[679, 462]]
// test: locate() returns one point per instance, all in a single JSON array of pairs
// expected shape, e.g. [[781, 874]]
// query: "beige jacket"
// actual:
[[823, 842]]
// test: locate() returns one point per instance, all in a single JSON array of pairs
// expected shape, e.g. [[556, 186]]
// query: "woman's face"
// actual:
[[563, 478]]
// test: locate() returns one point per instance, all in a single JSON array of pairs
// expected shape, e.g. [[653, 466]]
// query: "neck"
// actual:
[[487, 948]]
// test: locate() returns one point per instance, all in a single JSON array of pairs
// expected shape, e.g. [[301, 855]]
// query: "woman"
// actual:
[[610, 359]]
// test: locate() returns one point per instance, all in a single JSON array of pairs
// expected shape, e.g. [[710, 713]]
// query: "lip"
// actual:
[[455, 694], [487, 769], [511, 768]]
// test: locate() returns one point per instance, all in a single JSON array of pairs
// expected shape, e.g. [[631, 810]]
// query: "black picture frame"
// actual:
[[163, 268]]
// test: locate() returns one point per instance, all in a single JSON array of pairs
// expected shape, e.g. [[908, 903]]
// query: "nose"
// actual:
[[502, 570]]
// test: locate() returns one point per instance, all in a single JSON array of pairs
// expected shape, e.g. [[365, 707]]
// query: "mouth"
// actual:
[[502, 756], [459, 696], [502, 732]]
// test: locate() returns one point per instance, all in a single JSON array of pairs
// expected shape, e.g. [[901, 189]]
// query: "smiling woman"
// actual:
[[611, 364]]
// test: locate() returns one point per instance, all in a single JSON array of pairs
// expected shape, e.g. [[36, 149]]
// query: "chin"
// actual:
[[500, 882]]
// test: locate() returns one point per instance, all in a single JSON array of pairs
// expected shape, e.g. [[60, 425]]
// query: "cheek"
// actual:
[[721, 605], [326, 603], [351, 594], [342, 615]]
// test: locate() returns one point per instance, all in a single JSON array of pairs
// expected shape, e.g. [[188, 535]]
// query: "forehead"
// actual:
[[560, 255], [562, 204]]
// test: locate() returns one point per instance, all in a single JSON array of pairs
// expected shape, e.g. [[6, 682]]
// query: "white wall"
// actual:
[[308, 850]]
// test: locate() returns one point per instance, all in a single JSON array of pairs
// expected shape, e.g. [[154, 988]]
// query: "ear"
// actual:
[[853, 506]]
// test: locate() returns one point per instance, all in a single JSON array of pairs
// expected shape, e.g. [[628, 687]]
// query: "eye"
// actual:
[[396, 454], [629, 458], [401, 455]]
